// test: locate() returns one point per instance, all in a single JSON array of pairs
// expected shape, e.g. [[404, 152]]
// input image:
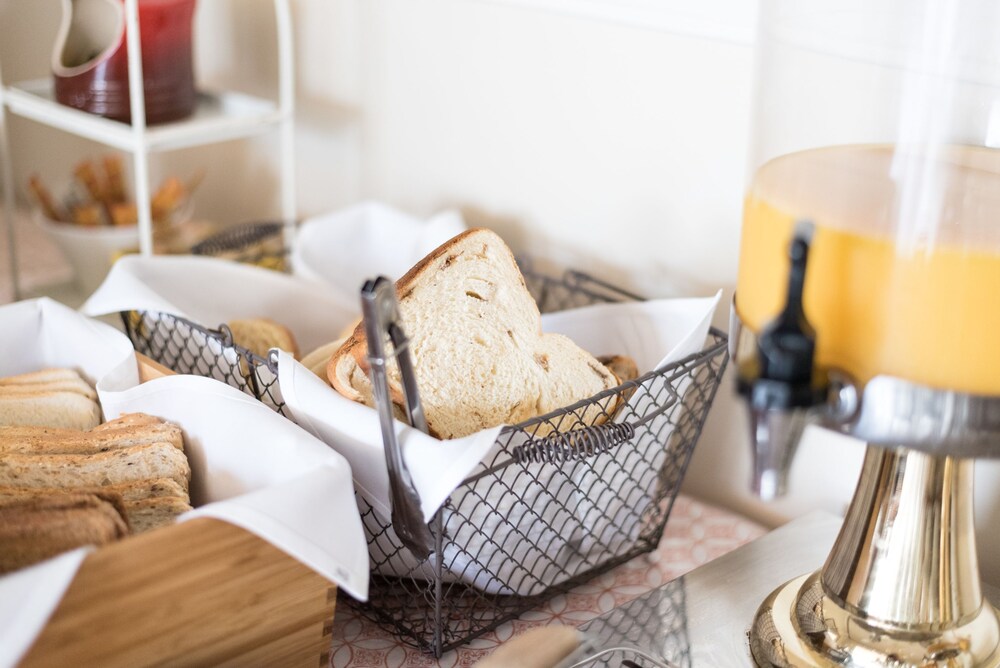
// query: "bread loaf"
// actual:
[[478, 351]]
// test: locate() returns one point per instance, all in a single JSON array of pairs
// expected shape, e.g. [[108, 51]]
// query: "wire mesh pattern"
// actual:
[[253, 243], [187, 347], [655, 623], [558, 499], [520, 530]]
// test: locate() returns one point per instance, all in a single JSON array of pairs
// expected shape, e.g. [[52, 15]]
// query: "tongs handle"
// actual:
[[381, 316]]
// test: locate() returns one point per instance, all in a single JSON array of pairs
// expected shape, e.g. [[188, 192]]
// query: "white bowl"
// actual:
[[91, 250]]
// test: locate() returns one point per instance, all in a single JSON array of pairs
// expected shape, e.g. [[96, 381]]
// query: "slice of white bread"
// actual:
[[120, 465], [478, 351], [42, 376], [77, 385], [259, 335], [317, 360], [49, 409]]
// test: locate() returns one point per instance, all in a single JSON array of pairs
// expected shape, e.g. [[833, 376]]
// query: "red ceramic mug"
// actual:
[[90, 61]]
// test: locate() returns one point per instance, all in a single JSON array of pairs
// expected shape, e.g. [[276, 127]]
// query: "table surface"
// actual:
[[696, 533]]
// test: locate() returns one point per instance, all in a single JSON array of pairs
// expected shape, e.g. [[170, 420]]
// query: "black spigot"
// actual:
[[784, 375], [781, 383]]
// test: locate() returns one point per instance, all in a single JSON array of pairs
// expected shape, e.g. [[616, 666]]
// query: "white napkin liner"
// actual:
[[257, 469], [344, 248], [212, 291], [41, 333]]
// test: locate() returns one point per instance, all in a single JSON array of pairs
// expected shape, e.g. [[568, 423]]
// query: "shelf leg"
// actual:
[[286, 102], [9, 204], [137, 104]]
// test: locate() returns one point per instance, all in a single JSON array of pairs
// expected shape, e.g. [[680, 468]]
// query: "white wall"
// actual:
[[606, 134]]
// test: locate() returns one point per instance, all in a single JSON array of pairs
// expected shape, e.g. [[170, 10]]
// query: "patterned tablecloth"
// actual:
[[696, 533]]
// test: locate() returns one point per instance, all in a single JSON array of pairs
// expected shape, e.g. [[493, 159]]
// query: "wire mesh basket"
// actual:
[[257, 243], [559, 499]]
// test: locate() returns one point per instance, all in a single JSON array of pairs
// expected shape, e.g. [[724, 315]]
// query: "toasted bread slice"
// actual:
[[128, 420], [147, 514], [21, 439], [135, 490], [49, 409], [120, 465], [478, 351], [32, 530]]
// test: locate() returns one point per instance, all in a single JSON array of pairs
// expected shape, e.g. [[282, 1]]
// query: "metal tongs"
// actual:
[[381, 316]]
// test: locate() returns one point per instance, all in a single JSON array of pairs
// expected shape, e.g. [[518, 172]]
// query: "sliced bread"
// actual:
[[70, 442], [120, 465], [135, 490], [42, 376], [154, 512], [259, 335], [317, 360], [35, 529], [49, 409], [478, 351]]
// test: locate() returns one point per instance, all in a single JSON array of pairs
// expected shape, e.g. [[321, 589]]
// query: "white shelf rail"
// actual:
[[218, 117]]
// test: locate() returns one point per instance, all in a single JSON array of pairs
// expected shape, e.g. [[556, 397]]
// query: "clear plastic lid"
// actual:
[[879, 122]]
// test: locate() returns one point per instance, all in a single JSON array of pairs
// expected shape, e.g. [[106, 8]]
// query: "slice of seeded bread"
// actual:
[[38, 440], [35, 529], [154, 512], [120, 465], [478, 351], [135, 490]]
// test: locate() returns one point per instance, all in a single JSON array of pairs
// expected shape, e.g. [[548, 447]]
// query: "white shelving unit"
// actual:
[[218, 117]]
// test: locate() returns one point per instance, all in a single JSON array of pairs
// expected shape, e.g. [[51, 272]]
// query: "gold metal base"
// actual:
[[798, 625], [901, 586]]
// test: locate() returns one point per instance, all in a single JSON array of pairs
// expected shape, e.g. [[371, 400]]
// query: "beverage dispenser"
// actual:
[[868, 302]]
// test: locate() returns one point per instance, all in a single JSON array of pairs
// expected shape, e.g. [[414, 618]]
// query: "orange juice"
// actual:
[[901, 281]]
